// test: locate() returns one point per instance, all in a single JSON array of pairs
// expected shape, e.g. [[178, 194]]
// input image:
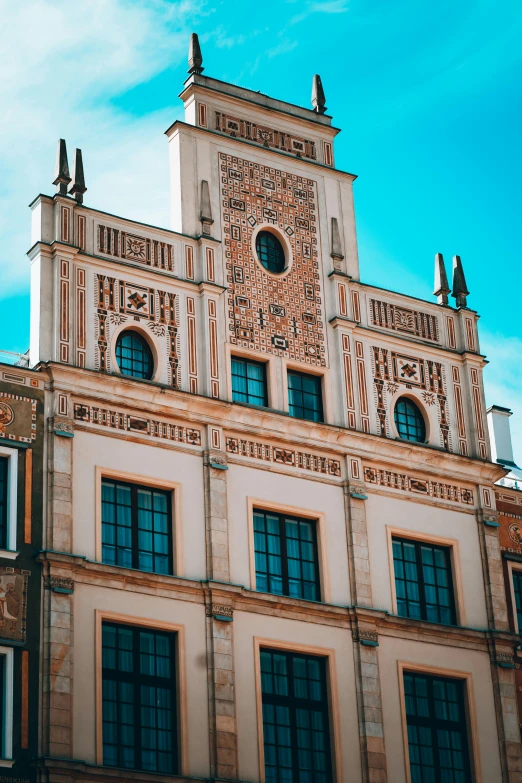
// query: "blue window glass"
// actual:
[[286, 556], [133, 355], [136, 527], [139, 699], [304, 396], [249, 382], [295, 718], [409, 420], [423, 581], [436, 723], [4, 498], [517, 589], [270, 252]]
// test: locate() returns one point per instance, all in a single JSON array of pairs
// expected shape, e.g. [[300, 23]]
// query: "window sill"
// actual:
[[8, 554], [6, 762]]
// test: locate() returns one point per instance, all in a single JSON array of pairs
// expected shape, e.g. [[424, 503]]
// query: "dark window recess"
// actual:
[[304, 396], [249, 382], [437, 735], [2, 707], [270, 252], [423, 582], [4, 498], [139, 699], [517, 589], [295, 718], [136, 527], [134, 356], [286, 555], [409, 421]]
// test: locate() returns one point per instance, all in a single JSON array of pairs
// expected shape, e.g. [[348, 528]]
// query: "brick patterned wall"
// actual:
[[278, 314]]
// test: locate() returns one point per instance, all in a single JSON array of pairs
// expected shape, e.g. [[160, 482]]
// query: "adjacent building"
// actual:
[[21, 539], [271, 549]]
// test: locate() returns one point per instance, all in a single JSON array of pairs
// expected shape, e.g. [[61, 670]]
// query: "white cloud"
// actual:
[[61, 65], [503, 380]]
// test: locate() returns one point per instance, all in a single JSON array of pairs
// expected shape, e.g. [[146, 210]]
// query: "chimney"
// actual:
[[500, 435]]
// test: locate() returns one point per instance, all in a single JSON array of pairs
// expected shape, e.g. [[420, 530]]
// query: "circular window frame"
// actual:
[[283, 241], [138, 329], [423, 413]]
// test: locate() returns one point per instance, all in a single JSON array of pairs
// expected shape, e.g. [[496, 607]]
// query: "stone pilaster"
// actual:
[[220, 636], [58, 665], [59, 527], [492, 569], [365, 639]]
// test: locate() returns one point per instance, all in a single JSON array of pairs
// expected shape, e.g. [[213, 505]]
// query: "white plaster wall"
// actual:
[[249, 626], [244, 483], [422, 518], [151, 462], [87, 599], [391, 651]]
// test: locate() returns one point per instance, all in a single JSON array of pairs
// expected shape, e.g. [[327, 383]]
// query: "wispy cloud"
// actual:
[[319, 7], [60, 67]]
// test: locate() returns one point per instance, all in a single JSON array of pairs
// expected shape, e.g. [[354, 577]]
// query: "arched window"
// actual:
[[133, 355], [409, 420], [270, 252]]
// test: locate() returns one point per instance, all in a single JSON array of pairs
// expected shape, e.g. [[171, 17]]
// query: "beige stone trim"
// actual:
[[469, 704], [456, 574], [295, 511], [176, 506], [513, 567], [181, 675], [333, 703], [326, 387]]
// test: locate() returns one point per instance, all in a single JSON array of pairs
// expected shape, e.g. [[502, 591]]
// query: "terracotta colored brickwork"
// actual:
[[278, 314]]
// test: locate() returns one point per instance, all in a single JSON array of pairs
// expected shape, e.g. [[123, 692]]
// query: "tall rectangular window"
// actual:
[[286, 555], [139, 699], [249, 382], [517, 589], [136, 527], [304, 396], [437, 735], [423, 582], [4, 502], [295, 718]]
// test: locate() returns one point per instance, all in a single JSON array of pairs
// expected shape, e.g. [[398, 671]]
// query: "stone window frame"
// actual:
[[321, 537], [12, 501], [333, 698], [453, 545], [326, 396], [174, 487], [249, 354], [513, 566], [469, 704], [102, 616], [6, 757]]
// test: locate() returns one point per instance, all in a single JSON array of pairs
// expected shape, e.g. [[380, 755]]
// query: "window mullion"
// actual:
[[293, 717], [434, 727], [134, 524], [137, 696]]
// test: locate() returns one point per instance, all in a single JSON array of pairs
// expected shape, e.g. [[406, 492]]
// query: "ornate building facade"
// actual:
[[270, 496]]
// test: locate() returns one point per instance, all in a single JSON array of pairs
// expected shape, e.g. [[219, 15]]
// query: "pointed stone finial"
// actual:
[[195, 58], [441, 288], [337, 251], [61, 170], [460, 289], [318, 98], [77, 189], [205, 214]]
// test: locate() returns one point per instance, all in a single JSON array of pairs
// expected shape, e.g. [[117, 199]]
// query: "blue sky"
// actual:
[[429, 97]]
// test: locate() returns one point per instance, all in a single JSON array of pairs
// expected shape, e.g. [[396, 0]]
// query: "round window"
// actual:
[[133, 355], [270, 252], [409, 420]]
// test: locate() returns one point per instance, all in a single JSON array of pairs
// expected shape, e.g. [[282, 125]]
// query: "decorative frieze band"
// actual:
[[132, 247], [405, 483], [138, 424], [292, 457], [267, 137], [402, 319]]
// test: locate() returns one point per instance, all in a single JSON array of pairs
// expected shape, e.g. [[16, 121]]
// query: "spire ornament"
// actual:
[[318, 97], [441, 288], [61, 170], [205, 214], [336, 252], [77, 189], [195, 58], [460, 289]]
